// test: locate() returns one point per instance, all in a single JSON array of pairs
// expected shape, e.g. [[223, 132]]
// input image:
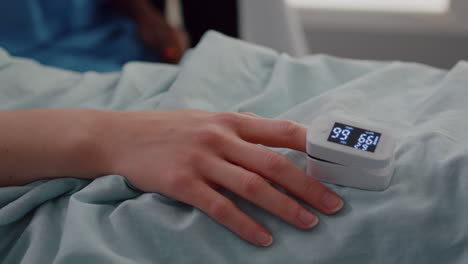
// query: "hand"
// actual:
[[188, 154], [169, 42]]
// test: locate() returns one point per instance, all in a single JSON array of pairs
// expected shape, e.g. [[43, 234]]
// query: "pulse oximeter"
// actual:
[[350, 153]]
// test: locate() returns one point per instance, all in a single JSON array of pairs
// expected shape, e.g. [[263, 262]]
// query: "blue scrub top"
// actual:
[[78, 35]]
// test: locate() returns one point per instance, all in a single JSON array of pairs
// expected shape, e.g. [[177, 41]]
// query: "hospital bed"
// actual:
[[420, 218]]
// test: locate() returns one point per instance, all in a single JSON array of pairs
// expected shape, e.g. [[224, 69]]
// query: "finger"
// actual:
[[254, 188], [271, 132], [280, 170], [182, 39], [226, 213]]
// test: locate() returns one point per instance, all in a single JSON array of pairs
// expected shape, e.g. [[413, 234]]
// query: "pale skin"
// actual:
[[183, 154]]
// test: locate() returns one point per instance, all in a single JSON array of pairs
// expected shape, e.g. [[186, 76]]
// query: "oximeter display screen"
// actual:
[[354, 137]]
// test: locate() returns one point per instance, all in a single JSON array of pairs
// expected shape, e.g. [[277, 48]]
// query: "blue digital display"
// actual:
[[354, 137]]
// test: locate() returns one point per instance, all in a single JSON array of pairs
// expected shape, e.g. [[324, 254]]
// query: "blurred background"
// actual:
[[433, 32], [103, 35]]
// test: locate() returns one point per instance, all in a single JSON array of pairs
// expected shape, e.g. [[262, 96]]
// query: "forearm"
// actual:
[[49, 143]]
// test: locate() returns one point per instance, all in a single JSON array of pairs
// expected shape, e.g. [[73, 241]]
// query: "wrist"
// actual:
[[88, 157], [51, 143]]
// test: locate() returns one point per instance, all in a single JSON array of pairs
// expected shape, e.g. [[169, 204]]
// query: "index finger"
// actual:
[[272, 132]]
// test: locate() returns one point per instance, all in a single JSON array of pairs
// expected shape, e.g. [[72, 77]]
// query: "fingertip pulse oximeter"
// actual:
[[349, 153]]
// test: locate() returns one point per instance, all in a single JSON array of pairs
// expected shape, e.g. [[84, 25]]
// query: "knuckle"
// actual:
[[219, 209], [292, 211], [179, 181], [227, 118], [287, 208], [274, 161], [288, 128], [252, 185], [313, 187], [209, 135], [191, 159]]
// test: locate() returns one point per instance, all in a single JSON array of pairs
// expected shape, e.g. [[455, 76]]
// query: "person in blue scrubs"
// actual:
[[84, 35]]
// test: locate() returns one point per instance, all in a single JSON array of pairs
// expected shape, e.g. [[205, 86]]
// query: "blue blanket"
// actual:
[[420, 218]]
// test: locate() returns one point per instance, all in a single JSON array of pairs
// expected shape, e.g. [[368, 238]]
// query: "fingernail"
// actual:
[[264, 239], [332, 202], [253, 114], [307, 218]]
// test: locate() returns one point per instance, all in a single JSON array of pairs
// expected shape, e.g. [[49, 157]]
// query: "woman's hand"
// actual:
[[188, 154], [183, 154]]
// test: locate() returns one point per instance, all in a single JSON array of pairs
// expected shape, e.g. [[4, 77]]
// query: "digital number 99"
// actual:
[[344, 133]]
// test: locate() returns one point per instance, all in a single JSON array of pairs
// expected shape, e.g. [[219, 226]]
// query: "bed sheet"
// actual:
[[420, 218]]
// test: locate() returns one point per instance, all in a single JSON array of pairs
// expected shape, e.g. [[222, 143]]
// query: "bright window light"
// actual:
[[413, 6]]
